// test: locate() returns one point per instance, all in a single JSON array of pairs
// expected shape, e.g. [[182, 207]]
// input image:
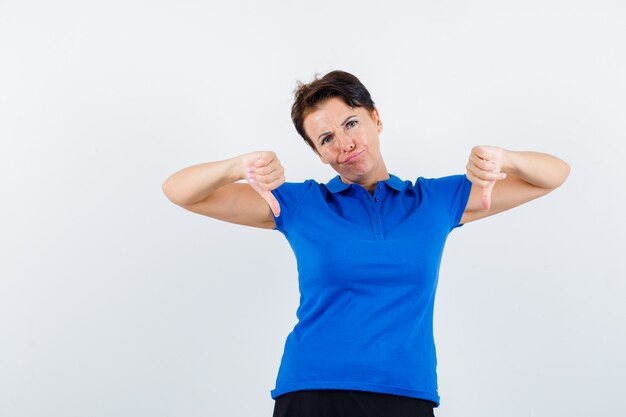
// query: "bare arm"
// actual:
[[211, 189]]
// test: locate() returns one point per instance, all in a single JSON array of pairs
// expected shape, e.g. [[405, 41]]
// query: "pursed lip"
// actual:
[[351, 157]]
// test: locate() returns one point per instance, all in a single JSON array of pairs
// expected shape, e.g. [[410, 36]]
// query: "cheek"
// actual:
[[324, 157], [364, 134]]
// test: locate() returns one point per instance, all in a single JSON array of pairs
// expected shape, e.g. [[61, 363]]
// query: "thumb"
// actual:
[[271, 200], [486, 196]]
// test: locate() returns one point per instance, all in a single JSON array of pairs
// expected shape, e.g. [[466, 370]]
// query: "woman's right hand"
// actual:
[[264, 173]]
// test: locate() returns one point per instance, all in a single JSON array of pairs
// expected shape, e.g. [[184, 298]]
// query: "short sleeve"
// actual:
[[451, 194], [289, 196]]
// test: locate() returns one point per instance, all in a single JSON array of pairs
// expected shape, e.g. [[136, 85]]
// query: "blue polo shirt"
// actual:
[[368, 266]]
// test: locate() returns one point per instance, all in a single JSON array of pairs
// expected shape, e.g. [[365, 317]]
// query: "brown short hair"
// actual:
[[334, 84]]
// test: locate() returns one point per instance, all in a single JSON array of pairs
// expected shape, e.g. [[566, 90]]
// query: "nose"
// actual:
[[346, 142]]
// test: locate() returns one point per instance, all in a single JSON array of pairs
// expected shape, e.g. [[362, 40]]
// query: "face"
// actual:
[[347, 139]]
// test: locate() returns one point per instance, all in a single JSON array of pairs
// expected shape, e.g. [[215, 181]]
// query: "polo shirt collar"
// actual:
[[336, 185]]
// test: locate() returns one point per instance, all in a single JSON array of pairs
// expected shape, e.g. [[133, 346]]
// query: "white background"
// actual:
[[115, 302]]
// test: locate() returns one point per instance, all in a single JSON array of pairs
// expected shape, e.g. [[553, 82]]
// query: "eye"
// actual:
[[326, 139], [352, 123]]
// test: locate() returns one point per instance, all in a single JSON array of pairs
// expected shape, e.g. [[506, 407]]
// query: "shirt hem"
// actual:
[[358, 386]]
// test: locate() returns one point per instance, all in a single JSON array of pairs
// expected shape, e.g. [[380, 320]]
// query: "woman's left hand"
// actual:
[[484, 169]]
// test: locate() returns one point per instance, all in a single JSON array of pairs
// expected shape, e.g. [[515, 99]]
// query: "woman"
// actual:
[[368, 247]]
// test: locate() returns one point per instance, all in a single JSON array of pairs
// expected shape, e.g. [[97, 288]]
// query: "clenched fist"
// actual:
[[264, 173], [484, 169]]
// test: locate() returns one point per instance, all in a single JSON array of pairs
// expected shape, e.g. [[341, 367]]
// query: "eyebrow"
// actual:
[[343, 123]]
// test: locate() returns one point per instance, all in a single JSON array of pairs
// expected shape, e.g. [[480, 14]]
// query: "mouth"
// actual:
[[352, 157]]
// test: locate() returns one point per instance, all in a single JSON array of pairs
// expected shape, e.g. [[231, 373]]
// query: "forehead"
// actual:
[[331, 113]]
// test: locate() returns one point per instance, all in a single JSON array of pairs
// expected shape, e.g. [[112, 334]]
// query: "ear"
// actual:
[[376, 119]]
